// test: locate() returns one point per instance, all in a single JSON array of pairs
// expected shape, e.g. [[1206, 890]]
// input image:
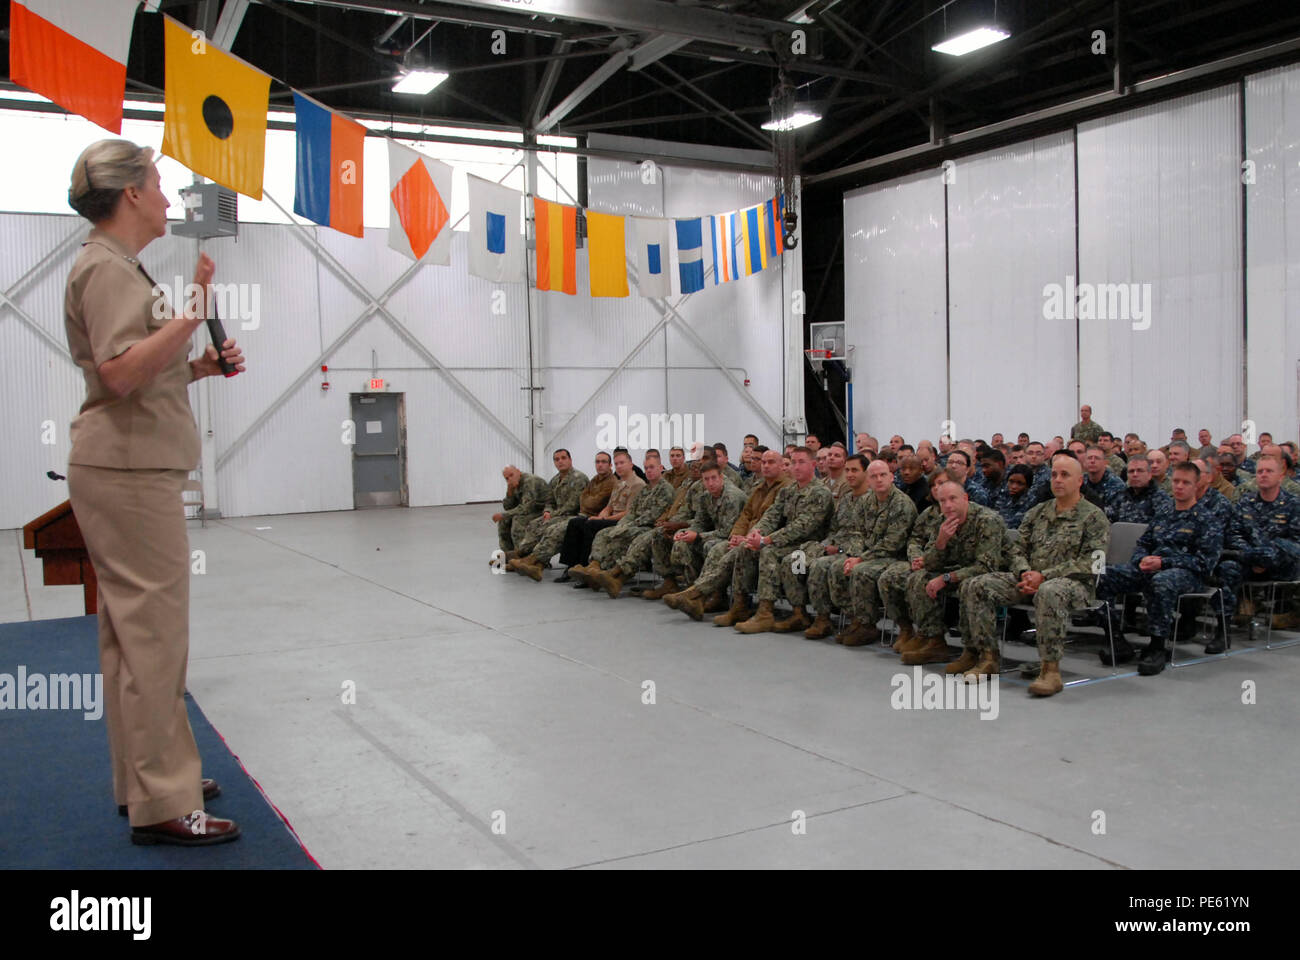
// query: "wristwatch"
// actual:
[[947, 578]]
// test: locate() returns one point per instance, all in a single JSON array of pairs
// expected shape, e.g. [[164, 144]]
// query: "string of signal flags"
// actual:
[[215, 106]]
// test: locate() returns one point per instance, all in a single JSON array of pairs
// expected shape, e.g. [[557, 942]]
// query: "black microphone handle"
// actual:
[[218, 334]]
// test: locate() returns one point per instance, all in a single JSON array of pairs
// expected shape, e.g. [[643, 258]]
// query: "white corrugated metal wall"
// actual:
[[894, 310], [1272, 242], [1158, 203], [1010, 232]]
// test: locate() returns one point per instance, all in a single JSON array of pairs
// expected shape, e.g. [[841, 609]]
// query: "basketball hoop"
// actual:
[[816, 357]]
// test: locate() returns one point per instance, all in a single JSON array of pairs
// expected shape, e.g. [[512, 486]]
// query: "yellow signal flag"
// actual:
[[606, 254], [215, 118]]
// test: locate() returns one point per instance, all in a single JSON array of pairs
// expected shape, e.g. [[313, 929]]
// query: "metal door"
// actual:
[[379, 453]]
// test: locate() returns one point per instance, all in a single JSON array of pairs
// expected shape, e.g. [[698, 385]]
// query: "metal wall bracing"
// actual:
[[894, 311], [1272, 239], [1010, 233], [458, 351]]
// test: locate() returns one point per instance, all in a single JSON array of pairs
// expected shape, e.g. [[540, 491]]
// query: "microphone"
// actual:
[[218, 334], [54, 476]]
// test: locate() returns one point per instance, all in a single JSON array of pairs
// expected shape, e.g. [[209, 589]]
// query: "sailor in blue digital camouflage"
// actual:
[[1269, 528], [523, 503], [560, 504], [1012, 500], [801, 512], [1175, 556], [1053, 564], [806, 571], [887, 517], [1288, 483], [1099, 484], [967, 543], [1140, 498], [1227, 574]]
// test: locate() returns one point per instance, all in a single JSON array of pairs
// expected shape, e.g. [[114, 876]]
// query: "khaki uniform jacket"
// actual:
[[152, 427], [762, 497], [596, 494]]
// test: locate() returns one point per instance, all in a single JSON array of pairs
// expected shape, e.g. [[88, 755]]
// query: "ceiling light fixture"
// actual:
[[419, 82], [971, 40], [800, 118]]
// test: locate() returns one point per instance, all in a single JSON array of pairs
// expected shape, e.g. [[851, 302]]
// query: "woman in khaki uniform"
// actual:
[[133, 443]]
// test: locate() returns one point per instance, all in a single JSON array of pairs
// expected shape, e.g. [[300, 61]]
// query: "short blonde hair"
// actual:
[[102, 172]]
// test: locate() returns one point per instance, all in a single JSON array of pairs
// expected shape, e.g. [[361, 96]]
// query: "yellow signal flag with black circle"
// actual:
[[215, 116]]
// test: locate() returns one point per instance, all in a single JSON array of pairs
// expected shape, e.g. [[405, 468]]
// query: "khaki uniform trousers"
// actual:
[[133, 523]]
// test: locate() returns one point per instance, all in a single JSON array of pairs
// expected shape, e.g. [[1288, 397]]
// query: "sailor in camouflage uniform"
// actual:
[[1012, 500], [806, 573], [1269, 521], [887, 517], [728, 553], [1140, 499], [640, 552], [646, 507], [1174, 556], [891, 586], [1087, 429], [561, 503], [523, 503], [1055, 561], [1099, 484], [716, 506], [967, 543], [802, 512]]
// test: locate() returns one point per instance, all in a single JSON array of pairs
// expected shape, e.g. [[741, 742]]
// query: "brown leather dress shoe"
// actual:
[[211, 789], [198, 829]]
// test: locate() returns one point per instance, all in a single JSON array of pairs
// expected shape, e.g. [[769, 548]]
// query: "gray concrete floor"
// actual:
[[499, 722]]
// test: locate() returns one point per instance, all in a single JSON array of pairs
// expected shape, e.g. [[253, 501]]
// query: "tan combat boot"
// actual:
[[905, 638], [588, 574], [760, 622], [612, 581], [929, 650], [716, 603], [693, 606], [738, 612], [822, 627], [529, 567], [969, 657], [854, 635], [990, 665], [798, 620], [513, 554], [674, 600], [1049, 679], [658, 593]]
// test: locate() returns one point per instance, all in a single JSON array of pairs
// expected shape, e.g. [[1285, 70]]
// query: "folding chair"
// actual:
[[1123, 538], [1207, 594], [1270, 607]]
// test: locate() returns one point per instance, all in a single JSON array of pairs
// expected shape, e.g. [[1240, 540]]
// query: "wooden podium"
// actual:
[[56, 538]]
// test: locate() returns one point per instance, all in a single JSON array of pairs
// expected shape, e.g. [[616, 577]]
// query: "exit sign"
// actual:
[[377, 383]]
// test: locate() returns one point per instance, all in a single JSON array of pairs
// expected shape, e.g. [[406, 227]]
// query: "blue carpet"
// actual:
[[56, 806]]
